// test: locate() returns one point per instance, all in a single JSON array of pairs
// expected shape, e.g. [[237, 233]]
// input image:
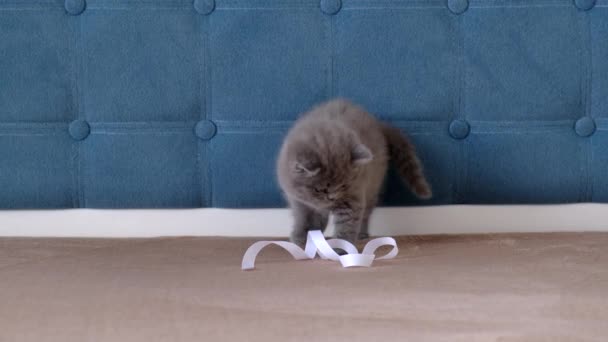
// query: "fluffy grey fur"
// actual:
[[334, 160]]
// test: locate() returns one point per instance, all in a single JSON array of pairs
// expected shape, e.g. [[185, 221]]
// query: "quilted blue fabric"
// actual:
[[181, 103]]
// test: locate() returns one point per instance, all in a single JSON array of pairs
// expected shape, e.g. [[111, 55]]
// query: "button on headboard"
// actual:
[[181, 103]]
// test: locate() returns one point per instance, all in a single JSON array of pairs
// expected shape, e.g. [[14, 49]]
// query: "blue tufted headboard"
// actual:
[[174, 103]]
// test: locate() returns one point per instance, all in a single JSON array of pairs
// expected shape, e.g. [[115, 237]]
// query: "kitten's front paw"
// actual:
[[298, 238]]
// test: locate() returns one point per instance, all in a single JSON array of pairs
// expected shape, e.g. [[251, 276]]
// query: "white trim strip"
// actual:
[[453, 219]]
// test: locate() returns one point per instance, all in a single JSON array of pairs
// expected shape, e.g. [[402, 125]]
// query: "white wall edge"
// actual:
[[453, 219]]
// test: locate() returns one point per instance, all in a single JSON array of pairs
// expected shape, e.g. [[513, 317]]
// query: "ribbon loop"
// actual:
[[316, 244], [371, 247], [343, 245]]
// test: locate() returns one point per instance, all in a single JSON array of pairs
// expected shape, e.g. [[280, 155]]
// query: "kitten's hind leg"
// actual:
[[305, 219], [367, 213]]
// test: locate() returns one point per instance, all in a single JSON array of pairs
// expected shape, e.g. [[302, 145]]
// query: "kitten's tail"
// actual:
[[403, 154]]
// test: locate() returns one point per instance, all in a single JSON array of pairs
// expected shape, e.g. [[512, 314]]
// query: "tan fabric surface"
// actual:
[[546, 287]]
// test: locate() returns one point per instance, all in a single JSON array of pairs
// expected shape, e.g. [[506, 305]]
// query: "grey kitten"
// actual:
[[334, 160]]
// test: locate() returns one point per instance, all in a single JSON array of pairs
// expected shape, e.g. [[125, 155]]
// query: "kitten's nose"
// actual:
[[331, 197]]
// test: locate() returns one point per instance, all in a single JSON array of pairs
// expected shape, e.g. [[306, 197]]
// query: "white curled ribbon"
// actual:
[[316, 244]]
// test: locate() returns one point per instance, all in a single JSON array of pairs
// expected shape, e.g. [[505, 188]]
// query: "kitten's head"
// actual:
[[324, 175]]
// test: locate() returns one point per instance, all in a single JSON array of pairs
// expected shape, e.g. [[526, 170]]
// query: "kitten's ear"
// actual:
[[300, 169], [361, 155]]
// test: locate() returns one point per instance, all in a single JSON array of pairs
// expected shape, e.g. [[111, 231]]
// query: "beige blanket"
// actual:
[[543, 287]]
